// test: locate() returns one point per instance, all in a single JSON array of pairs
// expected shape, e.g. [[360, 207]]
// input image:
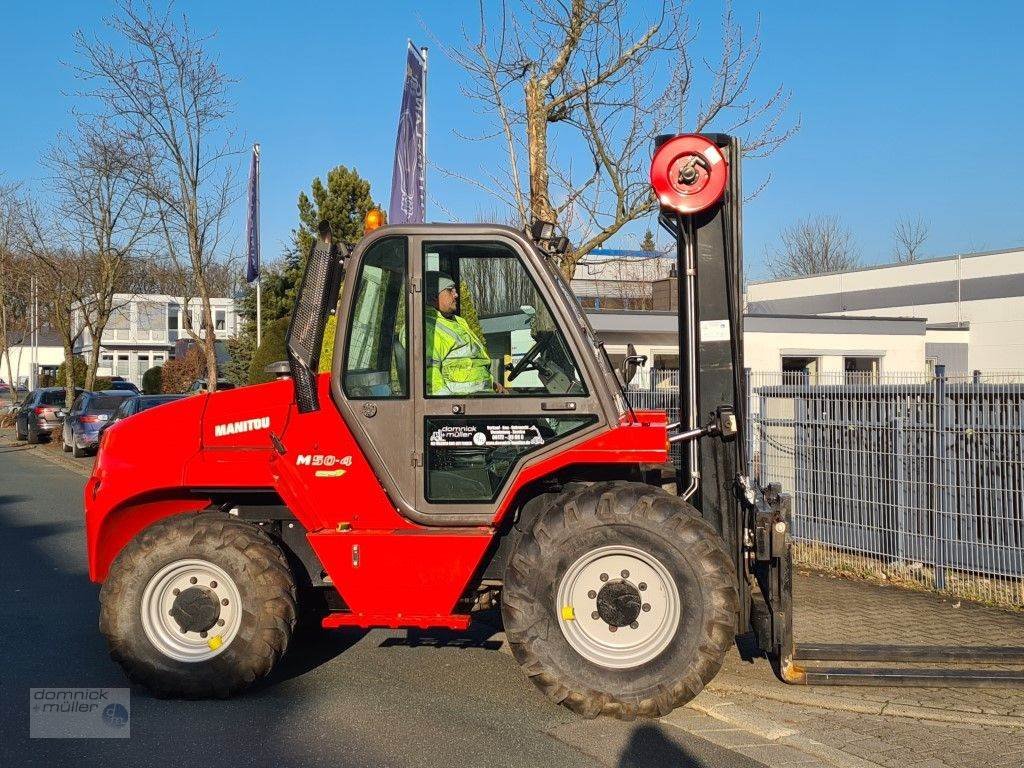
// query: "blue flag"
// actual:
[[252, 225], [408, 190]]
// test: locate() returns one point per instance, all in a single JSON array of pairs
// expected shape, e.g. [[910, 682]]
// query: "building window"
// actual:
[[123, 366], [219, 317], [107, 364], [862, 370], [119, 323], [151, 325], [173, 321], [799, 370]]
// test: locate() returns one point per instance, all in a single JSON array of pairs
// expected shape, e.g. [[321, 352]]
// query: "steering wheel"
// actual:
[[534, 352]]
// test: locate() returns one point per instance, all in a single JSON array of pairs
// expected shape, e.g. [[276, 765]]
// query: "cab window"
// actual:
[[376, 356], [487, 330]]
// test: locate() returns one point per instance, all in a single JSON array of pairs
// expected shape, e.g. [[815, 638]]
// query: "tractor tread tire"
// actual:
[[540, 559], [265, 583]]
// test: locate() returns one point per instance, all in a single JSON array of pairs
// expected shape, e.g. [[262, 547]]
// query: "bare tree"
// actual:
[[908, 237], [14, 287], [576, 92], [102, 207], [812, 246], [165, 93], [62, 278]]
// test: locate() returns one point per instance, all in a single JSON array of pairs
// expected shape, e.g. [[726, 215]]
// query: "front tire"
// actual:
[[620, 600], [198, 606]]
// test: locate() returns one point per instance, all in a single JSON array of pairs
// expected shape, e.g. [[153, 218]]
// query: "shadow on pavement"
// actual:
[[648, 747]]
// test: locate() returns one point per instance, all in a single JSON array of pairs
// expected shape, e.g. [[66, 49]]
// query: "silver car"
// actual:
[[40, 413]]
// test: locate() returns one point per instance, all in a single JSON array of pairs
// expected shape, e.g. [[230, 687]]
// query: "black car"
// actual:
[[120, 385], [40, 413], [133, 405], [89, 412]]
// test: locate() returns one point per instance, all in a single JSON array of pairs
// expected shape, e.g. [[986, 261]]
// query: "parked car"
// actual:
[[40, 413], [88, 413], [120, 385], [132, 405], [200, 385]]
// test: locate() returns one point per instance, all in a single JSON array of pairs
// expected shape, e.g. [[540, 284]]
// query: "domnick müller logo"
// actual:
[[115, 715], [79, 713]]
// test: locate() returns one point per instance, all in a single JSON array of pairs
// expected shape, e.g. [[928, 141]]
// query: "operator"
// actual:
[[457, 359]]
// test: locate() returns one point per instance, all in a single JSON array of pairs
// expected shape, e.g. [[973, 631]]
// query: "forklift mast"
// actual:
[[697, 180]]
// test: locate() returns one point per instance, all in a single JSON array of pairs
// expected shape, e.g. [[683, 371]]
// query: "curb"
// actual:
[[783, 738], [793, 695], [41, 452]]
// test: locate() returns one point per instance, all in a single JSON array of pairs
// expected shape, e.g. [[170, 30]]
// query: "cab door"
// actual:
[[372, 355], [527, 394]]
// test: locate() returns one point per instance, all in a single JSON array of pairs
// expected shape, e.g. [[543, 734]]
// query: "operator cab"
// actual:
[[466, 340]]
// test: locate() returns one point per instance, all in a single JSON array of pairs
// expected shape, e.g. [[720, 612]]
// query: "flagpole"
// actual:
[[259, 277], [423, 146]]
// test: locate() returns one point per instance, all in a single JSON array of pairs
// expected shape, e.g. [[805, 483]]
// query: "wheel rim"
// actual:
[[618, 606], [191, 610]]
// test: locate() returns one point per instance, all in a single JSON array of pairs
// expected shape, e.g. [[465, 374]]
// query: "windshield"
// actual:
[[104, 404]]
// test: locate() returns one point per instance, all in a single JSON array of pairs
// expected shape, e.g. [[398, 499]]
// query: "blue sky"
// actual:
[[906, 108]]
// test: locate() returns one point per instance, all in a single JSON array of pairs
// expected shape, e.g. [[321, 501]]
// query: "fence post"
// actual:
[[975, 376], [749, 421], [901, 494], [941, 477]]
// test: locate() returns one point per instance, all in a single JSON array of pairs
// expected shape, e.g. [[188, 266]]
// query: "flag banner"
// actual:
[[407, 180], [252, 226]]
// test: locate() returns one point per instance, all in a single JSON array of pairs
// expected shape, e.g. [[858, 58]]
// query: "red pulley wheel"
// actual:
[[689, 174]]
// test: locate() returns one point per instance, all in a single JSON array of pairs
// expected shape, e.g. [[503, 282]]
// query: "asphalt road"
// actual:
[[338, 698]]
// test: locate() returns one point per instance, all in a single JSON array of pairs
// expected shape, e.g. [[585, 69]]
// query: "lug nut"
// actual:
[[625, 574], [193, 580], [591, 594], [595, 615], [176, 592], [642, 586], [220, 622], [611, 628], [224, 601], [202, 634], [634, 625], [604, 577], [646, 607], [213, 585]]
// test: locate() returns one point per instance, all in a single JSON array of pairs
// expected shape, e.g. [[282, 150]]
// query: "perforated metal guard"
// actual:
[[306, 330]]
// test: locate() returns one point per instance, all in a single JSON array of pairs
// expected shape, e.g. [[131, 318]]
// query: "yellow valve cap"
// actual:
[[215, 642], [568, 614]]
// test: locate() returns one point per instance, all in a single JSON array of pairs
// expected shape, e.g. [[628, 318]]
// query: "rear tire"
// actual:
[[655, 659], [32, 436], [78, 453], [254, 595], [20, 435]]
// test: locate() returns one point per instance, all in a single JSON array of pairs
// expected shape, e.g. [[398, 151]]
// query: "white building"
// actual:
[[973, 304], [144, 328], [49, 356], [828, 346]]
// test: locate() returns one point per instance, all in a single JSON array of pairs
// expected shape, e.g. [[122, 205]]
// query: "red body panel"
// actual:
[[402, 578], [407, 574]]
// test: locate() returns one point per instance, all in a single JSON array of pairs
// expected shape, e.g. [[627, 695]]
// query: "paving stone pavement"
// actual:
[[831, 610]]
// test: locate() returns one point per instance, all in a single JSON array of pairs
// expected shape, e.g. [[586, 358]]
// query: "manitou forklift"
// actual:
[[372, 496]]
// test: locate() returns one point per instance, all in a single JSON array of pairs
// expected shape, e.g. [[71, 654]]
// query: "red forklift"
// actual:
[[396, 492]]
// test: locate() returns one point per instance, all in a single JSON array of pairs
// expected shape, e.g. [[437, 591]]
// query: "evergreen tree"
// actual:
[[648, 244], [271, 350], [241, 348]]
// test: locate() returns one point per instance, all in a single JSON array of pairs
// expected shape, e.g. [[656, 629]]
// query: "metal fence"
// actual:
[[911, 479]]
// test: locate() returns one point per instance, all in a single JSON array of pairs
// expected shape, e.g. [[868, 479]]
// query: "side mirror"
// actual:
[[630, 363]]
